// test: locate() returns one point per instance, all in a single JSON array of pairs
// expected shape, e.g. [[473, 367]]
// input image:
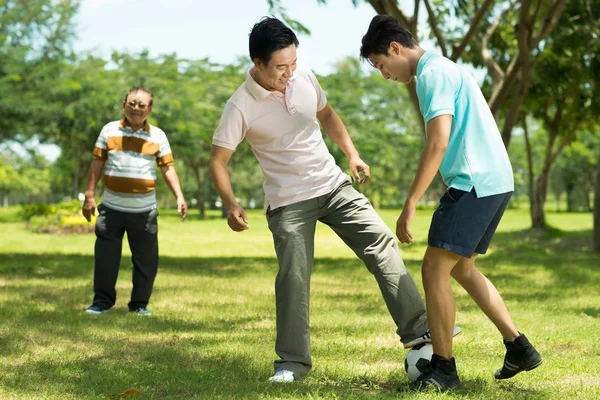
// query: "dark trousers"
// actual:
[[142, 234]]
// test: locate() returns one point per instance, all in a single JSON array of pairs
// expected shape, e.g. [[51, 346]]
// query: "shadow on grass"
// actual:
[[173, 356]]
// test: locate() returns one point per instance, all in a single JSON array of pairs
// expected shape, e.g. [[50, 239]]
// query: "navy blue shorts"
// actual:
[[464, 223]]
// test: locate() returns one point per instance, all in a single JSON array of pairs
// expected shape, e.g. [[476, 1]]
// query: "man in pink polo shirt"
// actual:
[[278, 110]]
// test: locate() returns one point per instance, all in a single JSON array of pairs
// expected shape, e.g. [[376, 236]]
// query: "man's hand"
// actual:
[[403, 223], [358, 166], [89, 208], [237, 218], [182, 208]]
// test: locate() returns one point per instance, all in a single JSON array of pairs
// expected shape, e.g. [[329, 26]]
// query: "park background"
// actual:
[[65, 66]]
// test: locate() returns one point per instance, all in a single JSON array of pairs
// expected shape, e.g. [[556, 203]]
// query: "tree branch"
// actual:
[[418, 6], [457, 50], [434, 26], [390, 7], [549, 22], [533, 18], [529, 157], [493, 68]]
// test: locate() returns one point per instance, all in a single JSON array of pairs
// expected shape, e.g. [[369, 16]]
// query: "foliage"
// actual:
[[382, 125], [23, 175], [64, 217], [34, 37]]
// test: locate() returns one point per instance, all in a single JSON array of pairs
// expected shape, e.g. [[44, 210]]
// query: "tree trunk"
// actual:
[[517, 101], [570, 201], [199, 178], [538, 216], [596, 238]]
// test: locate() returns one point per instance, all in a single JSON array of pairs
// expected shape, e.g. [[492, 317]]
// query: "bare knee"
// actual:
[[464, 268], [437, 265], [428, 271]]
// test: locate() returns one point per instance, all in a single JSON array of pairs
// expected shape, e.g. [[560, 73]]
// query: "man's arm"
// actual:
[[438, 134], [94, 174], [236, 215], [172, 180], [335, 129]]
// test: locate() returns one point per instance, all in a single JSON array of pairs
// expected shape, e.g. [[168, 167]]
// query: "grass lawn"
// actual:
[[213, 329]]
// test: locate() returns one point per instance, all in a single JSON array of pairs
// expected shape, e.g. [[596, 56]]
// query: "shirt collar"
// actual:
[[259, 92], [423, 60], [125, 123]]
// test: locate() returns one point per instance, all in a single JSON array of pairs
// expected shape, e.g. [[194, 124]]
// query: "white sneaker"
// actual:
[[282, 376], [426, 338]]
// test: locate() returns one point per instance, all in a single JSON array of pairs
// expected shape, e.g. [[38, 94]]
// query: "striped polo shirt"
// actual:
[[129, 175]]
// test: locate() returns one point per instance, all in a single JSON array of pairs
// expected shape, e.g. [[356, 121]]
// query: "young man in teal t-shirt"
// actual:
[[464, 144]]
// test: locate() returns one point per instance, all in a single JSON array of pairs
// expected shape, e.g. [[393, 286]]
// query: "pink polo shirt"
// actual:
[[285, 136]]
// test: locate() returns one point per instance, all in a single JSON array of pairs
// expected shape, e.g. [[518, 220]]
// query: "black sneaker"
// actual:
[[440, 375], [520, 356]]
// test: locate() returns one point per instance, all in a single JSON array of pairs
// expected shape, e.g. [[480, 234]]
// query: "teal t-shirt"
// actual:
[[476, 156]]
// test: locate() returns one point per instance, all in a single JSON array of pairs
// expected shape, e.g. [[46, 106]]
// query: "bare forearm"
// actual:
[[222, 182], [335, 129], [94, 175], [429, 164], [172, 180]]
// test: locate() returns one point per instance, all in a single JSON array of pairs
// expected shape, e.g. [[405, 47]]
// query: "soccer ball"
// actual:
[[417, 359]]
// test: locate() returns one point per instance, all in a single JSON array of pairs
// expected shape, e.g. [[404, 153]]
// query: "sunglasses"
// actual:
[[133, 104]]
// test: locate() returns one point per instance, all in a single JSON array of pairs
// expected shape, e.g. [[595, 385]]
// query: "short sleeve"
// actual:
[[321, 97], [100, 149], [232, 129], [436, 91], [165, 155]]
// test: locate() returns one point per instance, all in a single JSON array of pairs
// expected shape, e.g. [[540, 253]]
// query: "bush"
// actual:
[[29, 211], [57, 218]]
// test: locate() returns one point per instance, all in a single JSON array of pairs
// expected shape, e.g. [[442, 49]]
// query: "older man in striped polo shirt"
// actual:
[[127, 150]]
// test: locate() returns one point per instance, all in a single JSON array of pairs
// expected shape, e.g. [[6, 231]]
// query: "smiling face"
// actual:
[[396, 65], [137, 107], [275, 75]]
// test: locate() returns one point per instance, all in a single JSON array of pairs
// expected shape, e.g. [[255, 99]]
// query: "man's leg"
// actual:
[[142, 234], [110, 227], [355, 221], [485, 295], [437, 266], [293, 229]]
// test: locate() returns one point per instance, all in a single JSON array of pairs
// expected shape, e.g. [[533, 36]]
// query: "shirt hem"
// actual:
[[129, 210]]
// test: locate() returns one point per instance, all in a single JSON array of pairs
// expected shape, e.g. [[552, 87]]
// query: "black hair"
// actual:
[[382, 31], [268, 36], [136, 89]]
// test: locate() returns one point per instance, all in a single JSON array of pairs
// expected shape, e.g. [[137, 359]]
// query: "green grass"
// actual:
[[212, 332]]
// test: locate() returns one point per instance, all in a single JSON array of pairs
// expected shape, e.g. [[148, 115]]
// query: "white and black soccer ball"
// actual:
[[417, 360]]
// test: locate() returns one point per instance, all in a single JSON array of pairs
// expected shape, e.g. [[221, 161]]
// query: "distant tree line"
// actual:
[[541, 58]]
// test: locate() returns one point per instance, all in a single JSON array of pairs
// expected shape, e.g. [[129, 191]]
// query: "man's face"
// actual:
[[395, 65], [137, 107], [281, 67]]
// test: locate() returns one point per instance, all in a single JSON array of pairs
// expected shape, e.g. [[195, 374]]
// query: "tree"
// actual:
[[466, 31], [34, 35], [563, 95], [23, 176]]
